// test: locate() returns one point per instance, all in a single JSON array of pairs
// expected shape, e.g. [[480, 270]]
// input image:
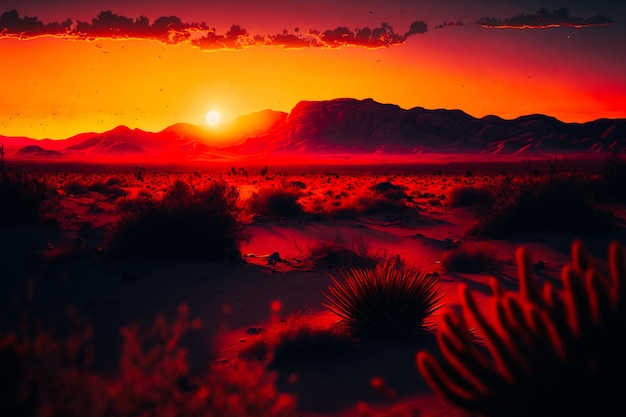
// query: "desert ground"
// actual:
[[251, 305]]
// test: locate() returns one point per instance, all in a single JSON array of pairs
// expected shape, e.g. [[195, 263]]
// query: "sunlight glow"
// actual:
[[212, 118]]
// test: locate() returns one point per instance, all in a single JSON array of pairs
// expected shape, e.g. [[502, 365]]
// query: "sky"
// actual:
[[73, 66]]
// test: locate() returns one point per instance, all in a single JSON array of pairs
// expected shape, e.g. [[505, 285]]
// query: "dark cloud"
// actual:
[[544, 18], [170, 29], [449, 24]]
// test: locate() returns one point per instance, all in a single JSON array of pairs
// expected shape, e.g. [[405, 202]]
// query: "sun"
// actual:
[[212, 118]]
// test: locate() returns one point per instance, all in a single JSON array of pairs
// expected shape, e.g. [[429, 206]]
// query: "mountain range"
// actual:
[[342, 129]]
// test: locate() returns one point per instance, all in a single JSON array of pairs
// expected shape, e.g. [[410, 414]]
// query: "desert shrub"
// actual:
[[337, 252], [389, 191], [75, 187], [186, 223], [276, 203], [550, 351], [25, 198], [535, 203], [470, 257], [51, 376], [468, 196], [384, 301], [104, 188], [113, 181]]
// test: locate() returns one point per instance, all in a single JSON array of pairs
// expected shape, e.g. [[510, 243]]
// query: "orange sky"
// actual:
[[55, 88]]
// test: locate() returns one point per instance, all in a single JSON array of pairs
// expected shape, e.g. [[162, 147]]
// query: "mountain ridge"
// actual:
[[338, 127]]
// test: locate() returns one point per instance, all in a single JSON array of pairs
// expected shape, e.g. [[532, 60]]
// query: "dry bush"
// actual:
[[383, 302], [52, 377], [534, 203], [471, 257], [337, 252], [276, 203], [186, 223], [550, 351], [75, 187], [468, 196]]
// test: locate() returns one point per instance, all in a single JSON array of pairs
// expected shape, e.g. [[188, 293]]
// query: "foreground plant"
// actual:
[[44, 376], [384, 301], [551, 352]]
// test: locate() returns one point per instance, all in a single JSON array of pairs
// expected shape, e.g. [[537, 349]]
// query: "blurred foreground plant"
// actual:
[[43, 376], [551, 352]]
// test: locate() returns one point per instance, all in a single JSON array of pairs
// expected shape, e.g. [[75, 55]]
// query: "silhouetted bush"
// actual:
[[185, 224], [276, 203], [470, 257], [383, 302], [337, 252], [104, 188], [75, 187], [534, 203], [549, 351], [468, 196], [25, 198]]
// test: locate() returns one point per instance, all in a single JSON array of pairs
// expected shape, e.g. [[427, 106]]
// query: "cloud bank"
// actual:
[[171, 30], [544, 18]]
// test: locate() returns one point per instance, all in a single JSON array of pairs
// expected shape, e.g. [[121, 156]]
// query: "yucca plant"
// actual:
[[386, 301], [551, 352]]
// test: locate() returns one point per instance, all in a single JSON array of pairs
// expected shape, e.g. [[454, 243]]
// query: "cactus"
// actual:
[[551, 351]]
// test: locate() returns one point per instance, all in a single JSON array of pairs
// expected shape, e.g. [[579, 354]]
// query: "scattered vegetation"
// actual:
[[383, 302], [471, 257], [551, 352], [185, 223]]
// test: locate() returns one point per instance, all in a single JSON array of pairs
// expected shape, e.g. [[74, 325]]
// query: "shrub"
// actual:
[[25, 198], [384, 301], [184, 224], [538, 203], [551, 352], [470, 257], [75, 187], [331, 253], [468, 196], [276, 203]]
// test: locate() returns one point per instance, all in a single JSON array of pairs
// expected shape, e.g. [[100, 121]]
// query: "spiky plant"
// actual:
[[384, 301], [551, 352]]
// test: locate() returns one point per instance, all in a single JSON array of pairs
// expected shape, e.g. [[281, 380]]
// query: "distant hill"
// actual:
[[345, 128]]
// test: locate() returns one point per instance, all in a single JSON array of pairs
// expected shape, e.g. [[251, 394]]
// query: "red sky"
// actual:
[[58, 82]]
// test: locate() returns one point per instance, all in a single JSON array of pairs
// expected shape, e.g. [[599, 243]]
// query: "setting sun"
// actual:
[[212, 118]]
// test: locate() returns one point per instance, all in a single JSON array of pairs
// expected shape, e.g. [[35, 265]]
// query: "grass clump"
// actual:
[[276, 203], [384, 301], [337, 252], [471, 258], [185, 223], [535, 203]]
